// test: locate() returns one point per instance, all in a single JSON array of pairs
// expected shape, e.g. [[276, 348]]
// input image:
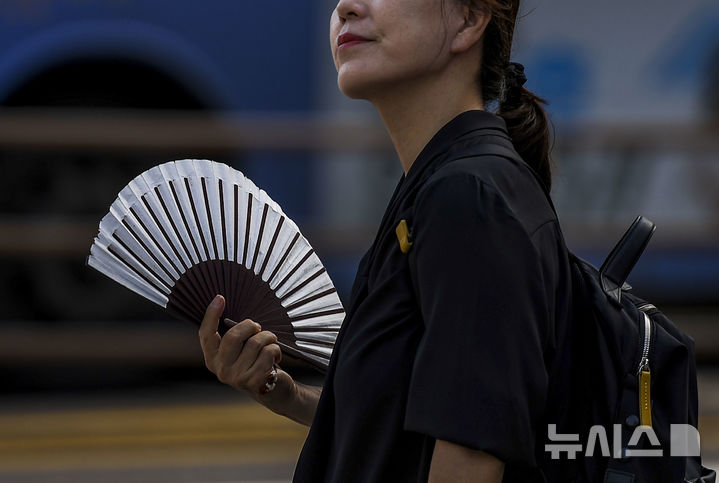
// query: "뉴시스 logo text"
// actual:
[[683, 441]]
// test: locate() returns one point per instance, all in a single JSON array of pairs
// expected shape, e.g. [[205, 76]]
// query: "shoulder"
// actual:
[[489, 186]]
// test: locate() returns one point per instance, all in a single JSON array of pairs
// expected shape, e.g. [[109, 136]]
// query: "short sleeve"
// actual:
[[479, 377]]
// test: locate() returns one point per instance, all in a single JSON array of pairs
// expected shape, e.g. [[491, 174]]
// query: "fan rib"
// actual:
[[329, 343], [118, 255], [235, 285], [237, 229], [233, 290], [211, 192], [273, 313], [325, 330], [222, 219], [284, 257], [138, 217], [218, 277], [150, 233], [144, 245], [227, 277], [104, 261], [184, 306], [153, 196], [272, 246], [199, 286], [317, 335], [318, 349], [208, 273], [187, 289], [259, 237], [132, 256], [304, 283], [307, 300], [243, 218], [247, 228], [209, 219], [164, 234], [184, 219], [315, 360], [317, 314], [167, 288], [207, 280], [113, 231], [255, 288], [242, 288], [175, 311], [197, 219], [294, 269], [177, 232]]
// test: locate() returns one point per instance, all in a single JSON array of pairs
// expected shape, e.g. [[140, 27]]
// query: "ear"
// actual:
[[471, 25]]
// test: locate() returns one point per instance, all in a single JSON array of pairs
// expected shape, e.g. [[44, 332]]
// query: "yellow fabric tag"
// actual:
[[403, 236], [645, 398]]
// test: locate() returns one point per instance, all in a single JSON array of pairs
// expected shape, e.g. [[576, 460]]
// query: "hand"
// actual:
[[244, 357]]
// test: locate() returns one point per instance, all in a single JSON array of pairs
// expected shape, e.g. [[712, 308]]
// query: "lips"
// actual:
[[350, 39]]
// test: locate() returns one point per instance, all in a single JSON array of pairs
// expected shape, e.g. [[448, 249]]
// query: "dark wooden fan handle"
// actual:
[[225, 325]]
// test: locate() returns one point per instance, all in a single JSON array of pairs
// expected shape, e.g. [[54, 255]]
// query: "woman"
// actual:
[[445, 360]]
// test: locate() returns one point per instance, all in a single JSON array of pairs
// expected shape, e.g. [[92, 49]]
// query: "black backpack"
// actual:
[[643, 386], [635, 402]]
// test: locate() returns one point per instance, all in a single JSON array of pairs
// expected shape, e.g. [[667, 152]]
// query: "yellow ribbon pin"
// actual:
[[403, 236]]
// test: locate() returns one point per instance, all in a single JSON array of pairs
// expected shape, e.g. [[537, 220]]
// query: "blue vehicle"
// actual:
[[628, 85], [132, 56]]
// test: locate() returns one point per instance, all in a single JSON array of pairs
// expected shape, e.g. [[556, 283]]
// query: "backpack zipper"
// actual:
[[644, 373]]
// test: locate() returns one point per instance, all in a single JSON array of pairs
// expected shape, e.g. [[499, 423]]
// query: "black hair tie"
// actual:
[[514, 79]]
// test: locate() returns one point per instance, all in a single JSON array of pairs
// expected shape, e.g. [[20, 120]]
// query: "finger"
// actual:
[[272, 349], [261, 371], [209, 338], [234, 341], [253, 347]]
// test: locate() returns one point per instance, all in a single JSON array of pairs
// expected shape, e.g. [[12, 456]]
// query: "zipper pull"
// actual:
[[645, 396], [645, 376]]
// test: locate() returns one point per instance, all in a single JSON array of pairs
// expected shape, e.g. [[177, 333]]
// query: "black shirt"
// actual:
[[457, 338]]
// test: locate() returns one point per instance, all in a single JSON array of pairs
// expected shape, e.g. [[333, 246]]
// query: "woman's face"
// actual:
[[378, 45]]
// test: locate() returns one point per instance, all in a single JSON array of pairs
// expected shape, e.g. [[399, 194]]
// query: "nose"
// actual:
[[347, 9]]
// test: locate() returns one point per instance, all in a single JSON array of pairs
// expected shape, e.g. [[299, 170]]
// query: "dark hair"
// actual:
[[524, 115]]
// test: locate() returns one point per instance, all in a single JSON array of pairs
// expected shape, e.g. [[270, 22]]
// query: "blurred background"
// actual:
[[98, 384]]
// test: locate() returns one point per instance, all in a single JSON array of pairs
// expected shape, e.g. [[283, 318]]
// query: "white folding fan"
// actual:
[[184, 231]]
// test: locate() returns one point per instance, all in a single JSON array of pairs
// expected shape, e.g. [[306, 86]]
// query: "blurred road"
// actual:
[[199, 433]]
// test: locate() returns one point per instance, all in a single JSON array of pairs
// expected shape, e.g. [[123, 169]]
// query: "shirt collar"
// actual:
[[466, 123], [459, 127]]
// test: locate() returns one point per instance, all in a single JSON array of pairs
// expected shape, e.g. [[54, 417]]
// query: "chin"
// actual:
[[352, 88], [352, 91], [357, 85]]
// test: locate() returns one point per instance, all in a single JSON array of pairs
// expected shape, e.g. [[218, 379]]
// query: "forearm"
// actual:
[[293, 400], [305, 405], [457, 464]]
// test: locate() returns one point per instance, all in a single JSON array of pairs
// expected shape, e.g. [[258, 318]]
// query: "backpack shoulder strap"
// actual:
[[620, 261], [625, 254], [503, 149], [506, 151]]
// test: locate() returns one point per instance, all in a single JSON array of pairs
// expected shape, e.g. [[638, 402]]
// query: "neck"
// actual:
[[414, 113]]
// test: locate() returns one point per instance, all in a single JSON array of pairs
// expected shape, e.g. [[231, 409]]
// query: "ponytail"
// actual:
[[527, 123], [502, 82]]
